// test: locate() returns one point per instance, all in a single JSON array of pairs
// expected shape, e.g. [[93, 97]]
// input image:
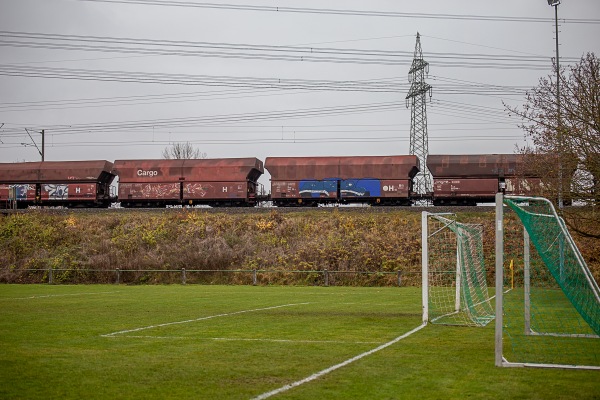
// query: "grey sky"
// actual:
[[470, 122]]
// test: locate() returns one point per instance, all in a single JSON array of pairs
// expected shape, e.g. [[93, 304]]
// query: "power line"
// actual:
[[144, 100], [260, 51], [198, 80], [451, 86], [482, 45], [347, 12], [384, 85], [217, 95]]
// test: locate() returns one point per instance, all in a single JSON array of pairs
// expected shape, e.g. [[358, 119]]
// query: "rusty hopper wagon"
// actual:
[[310, 181], [476, 178], [56, 183], [214, 182]]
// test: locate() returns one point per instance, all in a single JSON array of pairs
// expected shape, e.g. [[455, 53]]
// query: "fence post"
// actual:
[[399, 278], [326, 275], [183, 276], [254, 277], [118, 275], [50, 277]]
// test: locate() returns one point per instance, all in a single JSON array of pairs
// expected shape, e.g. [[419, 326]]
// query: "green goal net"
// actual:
[[549, 299], [455, 290]]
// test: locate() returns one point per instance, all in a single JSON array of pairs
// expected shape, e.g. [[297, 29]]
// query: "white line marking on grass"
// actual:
[[295, 341], [246, 339], [340, 365], [199, 319], [55, 295]]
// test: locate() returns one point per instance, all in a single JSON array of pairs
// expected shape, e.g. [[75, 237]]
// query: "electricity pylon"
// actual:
[[419, 142]]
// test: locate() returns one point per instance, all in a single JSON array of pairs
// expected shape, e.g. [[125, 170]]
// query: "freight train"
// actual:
[[476, 178], [233, 182]]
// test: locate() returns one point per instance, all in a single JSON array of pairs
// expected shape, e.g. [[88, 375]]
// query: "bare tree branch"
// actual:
[[565, 150], [179, 151]]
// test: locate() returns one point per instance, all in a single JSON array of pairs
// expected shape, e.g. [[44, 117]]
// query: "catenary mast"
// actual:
[[416, 97]]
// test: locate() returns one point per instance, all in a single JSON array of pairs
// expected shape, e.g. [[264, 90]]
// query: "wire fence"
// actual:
[[203, 276]]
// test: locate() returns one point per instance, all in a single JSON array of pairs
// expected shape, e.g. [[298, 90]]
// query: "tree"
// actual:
[[565, 148], [178, 151]]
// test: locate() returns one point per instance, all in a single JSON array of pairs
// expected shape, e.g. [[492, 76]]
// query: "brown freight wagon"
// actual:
[[214, 182], [56, 183], [476, 178], [310, 181]]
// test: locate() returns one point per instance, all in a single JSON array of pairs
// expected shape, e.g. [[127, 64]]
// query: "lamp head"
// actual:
[[553, 3]]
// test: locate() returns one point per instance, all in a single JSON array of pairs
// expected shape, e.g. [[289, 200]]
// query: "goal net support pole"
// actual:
[[499, 278]]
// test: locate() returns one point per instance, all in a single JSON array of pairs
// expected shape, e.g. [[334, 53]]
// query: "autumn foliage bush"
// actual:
[[283, 248]]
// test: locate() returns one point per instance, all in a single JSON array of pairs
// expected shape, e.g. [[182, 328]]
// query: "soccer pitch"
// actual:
[[248, 342]]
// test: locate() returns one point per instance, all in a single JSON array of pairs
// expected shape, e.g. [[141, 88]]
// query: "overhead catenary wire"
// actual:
[[295, 140], [394, 106], [228, 118], [210, 130]]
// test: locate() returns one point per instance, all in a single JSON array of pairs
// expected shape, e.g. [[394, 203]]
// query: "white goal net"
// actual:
[[455, 290]]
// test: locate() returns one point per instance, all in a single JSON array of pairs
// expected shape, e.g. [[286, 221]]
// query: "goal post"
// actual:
[[551, 317], [454, 286]]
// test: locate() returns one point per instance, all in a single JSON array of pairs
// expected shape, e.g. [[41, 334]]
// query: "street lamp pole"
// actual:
[[555, 3]]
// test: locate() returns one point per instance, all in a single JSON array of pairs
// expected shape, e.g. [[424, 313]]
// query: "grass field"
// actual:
[[240, 342]]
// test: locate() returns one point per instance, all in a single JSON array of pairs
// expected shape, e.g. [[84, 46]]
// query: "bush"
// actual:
[[89, 247]]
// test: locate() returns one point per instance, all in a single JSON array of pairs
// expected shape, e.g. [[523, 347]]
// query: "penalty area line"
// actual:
[[337, 366], [199, 319], [224, 339]]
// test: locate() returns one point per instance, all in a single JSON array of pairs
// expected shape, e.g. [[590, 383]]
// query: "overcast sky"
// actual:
[[111, 79]]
